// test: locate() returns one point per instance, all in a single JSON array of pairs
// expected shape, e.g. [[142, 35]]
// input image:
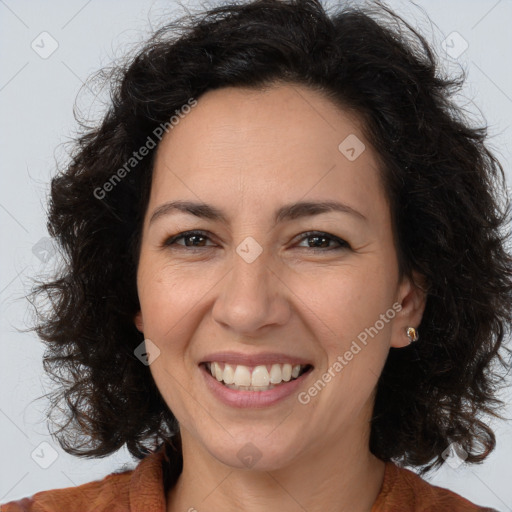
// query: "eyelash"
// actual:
[[308, 234]]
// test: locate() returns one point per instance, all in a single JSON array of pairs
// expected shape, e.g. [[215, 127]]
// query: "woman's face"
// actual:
[[258, 295]]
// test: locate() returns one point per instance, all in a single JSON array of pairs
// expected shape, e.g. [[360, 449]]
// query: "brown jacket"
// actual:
[[142, 490]]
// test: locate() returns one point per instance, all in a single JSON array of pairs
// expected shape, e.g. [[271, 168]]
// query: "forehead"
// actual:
[[282, 144]]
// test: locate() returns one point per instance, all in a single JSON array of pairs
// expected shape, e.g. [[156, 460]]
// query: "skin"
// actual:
[[249, 152]]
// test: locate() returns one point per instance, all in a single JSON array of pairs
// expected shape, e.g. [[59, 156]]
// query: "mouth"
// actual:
[[260, 378]]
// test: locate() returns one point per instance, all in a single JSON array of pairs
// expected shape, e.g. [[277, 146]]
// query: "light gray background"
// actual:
[[36, 105]]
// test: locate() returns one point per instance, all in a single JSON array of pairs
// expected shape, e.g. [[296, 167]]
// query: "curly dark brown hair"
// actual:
[[446, 190]]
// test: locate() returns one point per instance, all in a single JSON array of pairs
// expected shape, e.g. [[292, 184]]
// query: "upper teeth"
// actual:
[[261, 375]]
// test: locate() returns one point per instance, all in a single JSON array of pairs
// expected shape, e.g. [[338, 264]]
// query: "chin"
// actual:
[[257, 453]]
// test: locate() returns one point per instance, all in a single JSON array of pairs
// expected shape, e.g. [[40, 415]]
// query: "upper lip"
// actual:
[[263, 358]]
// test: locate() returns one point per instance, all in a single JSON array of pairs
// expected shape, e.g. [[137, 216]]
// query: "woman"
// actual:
[[286, 271]]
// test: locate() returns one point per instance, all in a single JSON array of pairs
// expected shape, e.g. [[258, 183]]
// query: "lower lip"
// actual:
[[254, 399]]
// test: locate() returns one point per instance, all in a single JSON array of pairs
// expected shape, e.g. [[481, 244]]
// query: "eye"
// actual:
[[198, 240], [195, 236], [320, 237]]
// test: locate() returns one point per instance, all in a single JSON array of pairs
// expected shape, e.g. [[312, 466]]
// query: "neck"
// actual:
[[341, 478]]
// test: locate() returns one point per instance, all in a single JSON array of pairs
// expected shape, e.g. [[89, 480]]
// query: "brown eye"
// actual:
[[322, 240], [197, 239]]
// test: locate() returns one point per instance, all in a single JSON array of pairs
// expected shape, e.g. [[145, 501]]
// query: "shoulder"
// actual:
[[98, 496], [131, 490], [404, 490]]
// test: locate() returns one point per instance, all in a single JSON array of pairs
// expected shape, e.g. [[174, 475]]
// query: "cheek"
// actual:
[[358, 311], [346, 301], [165, 299]]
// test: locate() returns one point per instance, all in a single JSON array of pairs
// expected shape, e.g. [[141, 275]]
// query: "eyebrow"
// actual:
[[284, 213]]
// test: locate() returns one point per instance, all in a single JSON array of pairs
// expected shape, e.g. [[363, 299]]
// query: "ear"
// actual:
[[139, 323], [412, 297]]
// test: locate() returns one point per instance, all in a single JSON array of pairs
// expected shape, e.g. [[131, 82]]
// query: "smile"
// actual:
[[253, 386], [256, 378]]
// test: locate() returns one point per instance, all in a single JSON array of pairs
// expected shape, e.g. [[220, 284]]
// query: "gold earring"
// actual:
[[412, 334]]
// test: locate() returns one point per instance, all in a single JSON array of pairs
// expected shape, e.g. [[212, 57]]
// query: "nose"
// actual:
[[253, 297]]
